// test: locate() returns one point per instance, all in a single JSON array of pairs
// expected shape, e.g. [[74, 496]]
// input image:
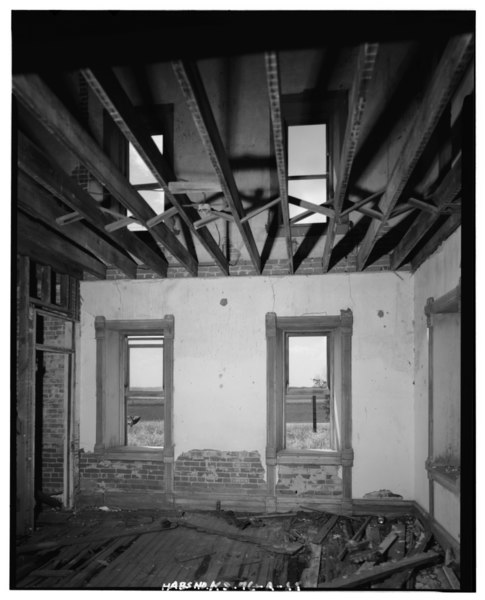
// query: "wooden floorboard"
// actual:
[[133, 550]]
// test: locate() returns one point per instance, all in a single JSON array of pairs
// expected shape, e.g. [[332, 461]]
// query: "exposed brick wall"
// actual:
[[100, 474], [54, 382], [274, 267], [218, 471], [309, 480]]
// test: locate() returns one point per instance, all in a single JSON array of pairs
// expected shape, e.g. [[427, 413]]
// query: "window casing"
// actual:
[[338, 332], [112, 381]]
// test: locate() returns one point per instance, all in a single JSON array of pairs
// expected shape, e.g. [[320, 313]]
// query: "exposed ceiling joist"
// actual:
[[200, 109], [114, 99], [366, 60], [35, 235], [39, 204], [274, 92], [48, 174], [446, 77], [446, 192], [49, 110]]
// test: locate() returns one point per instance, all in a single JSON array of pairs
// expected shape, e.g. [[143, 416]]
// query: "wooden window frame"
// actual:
[[110, 385], [448, 303], [339, 327]]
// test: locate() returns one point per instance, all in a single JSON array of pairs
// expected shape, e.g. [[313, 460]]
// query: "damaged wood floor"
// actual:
[[169, 549]]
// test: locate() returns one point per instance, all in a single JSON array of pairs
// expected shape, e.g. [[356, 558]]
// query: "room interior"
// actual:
[[238, 269]]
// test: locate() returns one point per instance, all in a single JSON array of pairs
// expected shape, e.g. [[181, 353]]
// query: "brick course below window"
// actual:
[[99, 474], [219, 471], [309, 480]]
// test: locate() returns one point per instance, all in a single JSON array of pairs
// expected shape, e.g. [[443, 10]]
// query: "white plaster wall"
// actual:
[[220, 359], [438, 275]]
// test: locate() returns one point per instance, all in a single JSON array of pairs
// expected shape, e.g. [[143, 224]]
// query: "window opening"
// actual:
[[307, 168], [140, 174], [307, 397], [144, 397]]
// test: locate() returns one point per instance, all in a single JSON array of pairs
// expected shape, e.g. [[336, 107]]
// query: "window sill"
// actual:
[[319, 457], [449, 479], [132, 453]]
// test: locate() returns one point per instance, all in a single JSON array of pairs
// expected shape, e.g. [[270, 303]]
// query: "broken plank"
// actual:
[[207, 525], [399, 579], [452, 578], [319, 537], [387, 542], [309, 577], [381, 571]]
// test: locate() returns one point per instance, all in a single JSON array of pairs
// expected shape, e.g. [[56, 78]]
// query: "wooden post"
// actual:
[[271, 411], [25, 403], [429, 322], [314, 406], [168, 445], [346, 405], [100, 328]]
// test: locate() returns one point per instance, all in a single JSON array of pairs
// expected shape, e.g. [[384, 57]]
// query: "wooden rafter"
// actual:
[[366, 61], [274, 92], [446, 192], [48, 174], [446, 77], [36, 96], [35, 237], [114, 99], [196, 98], [39, 204]]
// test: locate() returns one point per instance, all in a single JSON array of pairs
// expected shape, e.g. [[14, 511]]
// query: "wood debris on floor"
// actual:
[[170, 549]]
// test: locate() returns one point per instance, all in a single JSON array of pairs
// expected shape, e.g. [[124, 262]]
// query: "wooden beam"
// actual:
[[34, 235], [167, 214], [366, 60], [371, 212], [425, 206], [186, 187], [114, 99], [25, 411], [379, 572], [274, 92], [314, 208], [259, 210], [446, 192], [309, 213], [120, 224], [199, 106], [446, 77], [39, 204], [448, 227], [45, 171], [49, 110], [359, 203]]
